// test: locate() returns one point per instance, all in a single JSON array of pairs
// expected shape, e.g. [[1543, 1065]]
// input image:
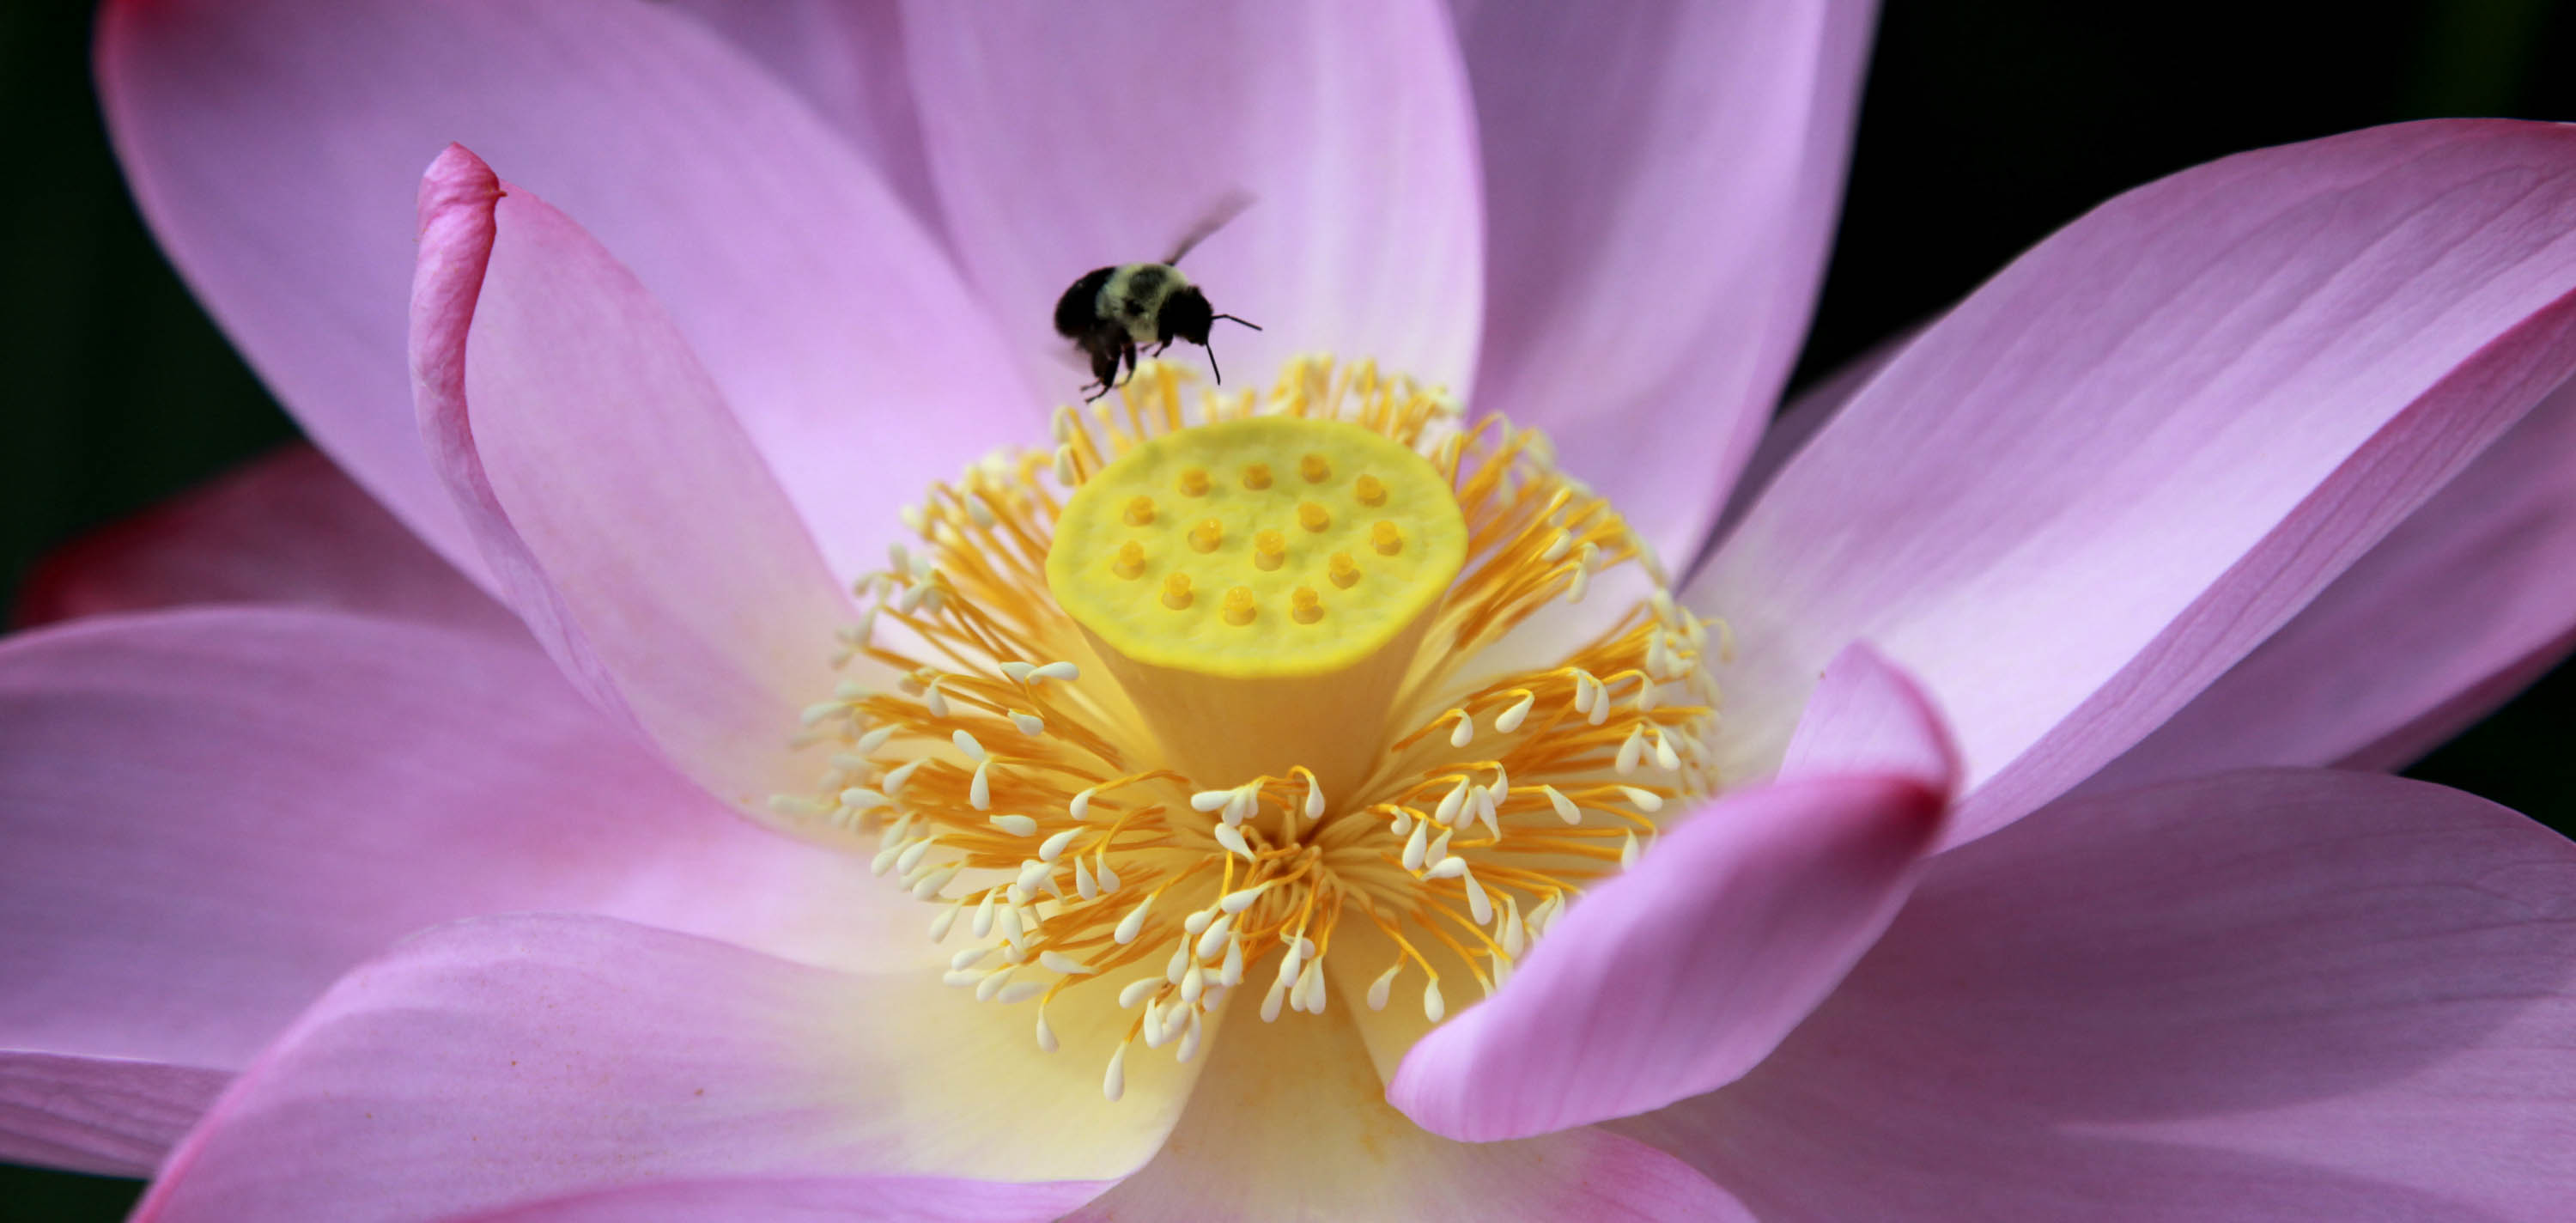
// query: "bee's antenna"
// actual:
[[1214, 317], [1212, 366]]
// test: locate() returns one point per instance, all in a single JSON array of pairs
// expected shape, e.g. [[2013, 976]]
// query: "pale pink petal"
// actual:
[[842, 1199], [513, 1061], [628, 518], [2263, 995], [287, 529], [1798, 421], [1661, 186], [2094, 485], [845, 59], [1289, 1123], [276, 145], [104, 1115], [1066, 138], [1680, 974], [212, 813], [2472, 596]]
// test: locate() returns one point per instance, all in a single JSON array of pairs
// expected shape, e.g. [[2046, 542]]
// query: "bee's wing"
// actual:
[[1225, 209]]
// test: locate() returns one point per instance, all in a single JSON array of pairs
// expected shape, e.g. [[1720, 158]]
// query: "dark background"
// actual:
[[1985, 126]]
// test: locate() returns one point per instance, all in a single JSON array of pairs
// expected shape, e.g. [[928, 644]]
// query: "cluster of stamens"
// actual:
[[1106, 777]]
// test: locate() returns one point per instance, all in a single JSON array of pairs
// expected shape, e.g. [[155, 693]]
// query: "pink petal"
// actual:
[[2472, 596], [2262, 995], [508, 1062], [2097, 483], [1064, 138], [845, 59], [838, 1199], [276, 145], [1289, 1123], [103, 1115], [287, 529], [1797, 424], [1680, 974], [1661, 184], [213, 813], [630, 521]]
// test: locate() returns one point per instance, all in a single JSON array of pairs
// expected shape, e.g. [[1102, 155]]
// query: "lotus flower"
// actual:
[[1953, 839]]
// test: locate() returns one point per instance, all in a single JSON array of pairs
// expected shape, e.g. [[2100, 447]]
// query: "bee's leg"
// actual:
[[1127, 351], [1104, 372], [1158, 349]]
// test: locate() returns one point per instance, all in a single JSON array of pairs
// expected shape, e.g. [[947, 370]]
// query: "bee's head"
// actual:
[[1186, 315]]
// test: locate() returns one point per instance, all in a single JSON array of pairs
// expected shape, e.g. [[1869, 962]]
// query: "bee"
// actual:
[[1112, 311]]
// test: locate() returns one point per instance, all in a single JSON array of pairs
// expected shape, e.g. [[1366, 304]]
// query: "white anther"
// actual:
[[1416, 847], [794, 804], [1440, 844], [961, 979], [1016, 825], [1648, 694], [1197, 921], [1029, 724], [1230, 837], [1240, 899], [1210, 800], [1433, 1006], [1631, 750], [1464, 732], [1628, 851], [1019, 991], [1193, 980], [1057, 961], [1133, 922], [1246, 801], [1511, 717], [1310, 989], [884, 861], [1046, 1035], [1314, 798], [1584, 689], [1083, 884], [933, 883], [1081, 804], [1031, 870], [1643, 800], [1557, 548], [983, 926], [912, 855], [1213, 937], [1446, 868], [1070, 476], [1291, 960], [1059, 671], [1515, 934], [968, 744], [820, 710], [1232, 973], [1479, 906], [946, 921], [1384, 983], [896, 777], [1665, 757], [992, 984], [1114, 1084], [861, 798], [1101, 869], [1487, 813], [1402, 823], [1565, 808], [968, 958], [871, 741], [930, 695], [1017, 671], [1136, 991], [1189, 1046], [1052, 848], [1450, 804], [979, 791], [1270, 1001], [1013, 931]]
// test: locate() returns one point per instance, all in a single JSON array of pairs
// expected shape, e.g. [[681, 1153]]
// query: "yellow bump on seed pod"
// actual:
[[1315, 469], [1269, 549], [1256, 475], [1370, 490], [1140, 511], [1207, 535], [1238, 606], [1194, 482], [1131, 560], [1386, 538], [1313, 517], [1305, 605], [1345, 571], [1176, 591]]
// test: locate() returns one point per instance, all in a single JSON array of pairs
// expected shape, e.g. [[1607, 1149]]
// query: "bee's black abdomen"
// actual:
[[1077, 312]]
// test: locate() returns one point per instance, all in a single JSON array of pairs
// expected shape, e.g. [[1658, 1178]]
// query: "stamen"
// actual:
[[1246, 771]]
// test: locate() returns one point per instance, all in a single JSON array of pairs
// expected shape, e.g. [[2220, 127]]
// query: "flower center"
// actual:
[[1203, 689]]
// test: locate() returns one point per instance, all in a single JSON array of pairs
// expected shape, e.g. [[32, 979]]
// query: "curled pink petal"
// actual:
[[1346, 126], [631, 522], [288, 529], [2470, 598], [2094, 485], [2260, 995], [820, 1199], [1661, 184], [505, 1063], [276, 147], [1680, 974]]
